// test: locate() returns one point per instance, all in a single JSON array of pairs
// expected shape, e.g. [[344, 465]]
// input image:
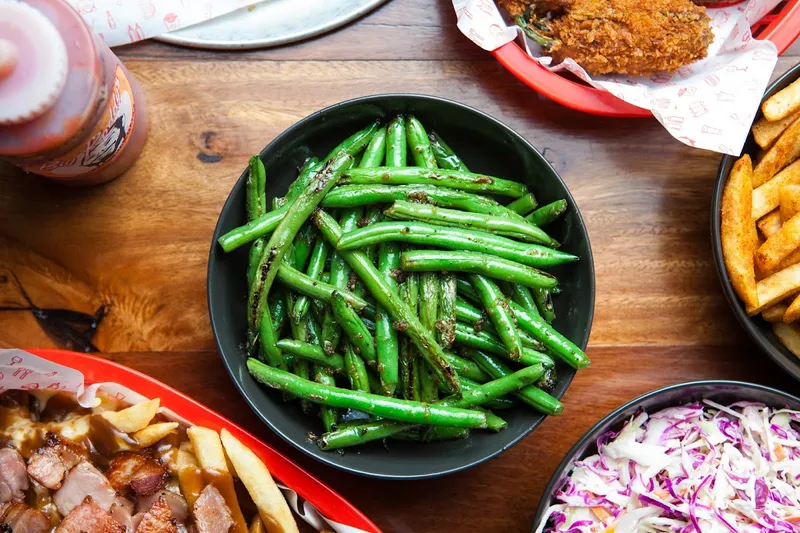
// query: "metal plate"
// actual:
[[271, 23]]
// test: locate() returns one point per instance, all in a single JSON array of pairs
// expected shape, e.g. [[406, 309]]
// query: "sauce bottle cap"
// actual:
[[33, 63]]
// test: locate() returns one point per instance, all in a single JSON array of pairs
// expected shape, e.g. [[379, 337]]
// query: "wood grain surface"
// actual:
[[140, 244]]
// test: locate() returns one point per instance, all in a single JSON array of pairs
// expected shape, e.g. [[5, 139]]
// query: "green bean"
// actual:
[[259, 227], [302, 369], [452, 179], [357, 333], [555, 342], [386, 342], [504, 402], [432, 434], [311, 352], [446, 323], [480, 323], [452, 238], [329, 415], [256, 250], [375, 152], [388, 299], [524, 204], [255, 198], [354, 144], [476, 396], [331, 333], [374, 383], [544, 304], [522, 295], [483, 340], [428, 313], [445, 157], [462, 219], [305, 175], [373, 216], [418, 143], [360, 195], [475, 263], [302, 247], [409, 293], [315, 267], [278, 311], [401, 410], [547, 213], [533, 396], [466, 368], [283, 235], [470, 314], [396, 142], [465, 289], [499, 313], [356, 369], [319, 290], [267, 338]]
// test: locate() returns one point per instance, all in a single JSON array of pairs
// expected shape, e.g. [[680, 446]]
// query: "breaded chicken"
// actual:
[[631, 37]]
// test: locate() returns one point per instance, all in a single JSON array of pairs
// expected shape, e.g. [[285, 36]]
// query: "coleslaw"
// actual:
[[702, 467]]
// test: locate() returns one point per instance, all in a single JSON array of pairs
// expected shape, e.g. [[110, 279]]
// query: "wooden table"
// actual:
[[141, 243]]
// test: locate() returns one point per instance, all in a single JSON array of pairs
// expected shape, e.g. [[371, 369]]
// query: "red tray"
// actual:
[[781, 26], [325, 499]]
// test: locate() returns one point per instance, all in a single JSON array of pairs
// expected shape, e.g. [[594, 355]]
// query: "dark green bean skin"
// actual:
[[504, 402], [475, 263], [278, 312], [346, 196], [256, 251], [524, 297], [302, 247], [354, 144], [255, 197], [544, 304], [373, 216], [329, 415], [533, 396], [268, 338], [524, 204], [480, 324], [479, 395], [284, 234], [483, 340], [453, 179], [499, 313], [409, 293], [465, 289], [375, 152], [396, 153], [401, 410], [402, 210], [547, 213], [315, 267], [307, 171], [311, 352], [386, 342], [359, 336], [386, 297], [319, 290], [428, 314], [260, 227], [418, 143], [356, 369], [466, 368], [445, 157], [555, 342], [446, 323], [452, 238], [331, 333]]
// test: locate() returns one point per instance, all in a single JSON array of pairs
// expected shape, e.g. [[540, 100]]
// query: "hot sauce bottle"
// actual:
[[69, 110]]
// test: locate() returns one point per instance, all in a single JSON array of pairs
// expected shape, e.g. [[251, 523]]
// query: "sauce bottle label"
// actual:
[[104, 143]]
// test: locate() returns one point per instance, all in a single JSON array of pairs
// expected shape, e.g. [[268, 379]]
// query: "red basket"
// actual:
[[325, 499], [781, 26]]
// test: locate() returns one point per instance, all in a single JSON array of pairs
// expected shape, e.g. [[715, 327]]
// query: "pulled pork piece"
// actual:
[[13, 476], [144, 475], [21, 518], [158, 519], [88, 517], [82, 481], [177, 504], [211, 514], [49, 464]]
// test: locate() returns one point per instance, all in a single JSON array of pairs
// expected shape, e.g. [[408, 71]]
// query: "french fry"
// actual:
[[790, 201], [154, 433], [257, 525], [766, 197], [770, 224], [133, 418], [789, 335], [774, 313], [208, 448], [791, 260], [785, 150], [783, 103], [738, 233], [765, 132], [792, 314], [775, 288], [770, 254], [272, 506]]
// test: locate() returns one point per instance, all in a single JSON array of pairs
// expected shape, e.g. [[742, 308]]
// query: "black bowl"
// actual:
[[759, 329], [487, 146], [723, 392]]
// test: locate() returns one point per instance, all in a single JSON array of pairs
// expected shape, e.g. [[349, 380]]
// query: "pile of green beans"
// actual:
[[394, 283]]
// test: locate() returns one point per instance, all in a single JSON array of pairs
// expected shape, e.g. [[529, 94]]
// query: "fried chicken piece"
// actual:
[[631, 37]]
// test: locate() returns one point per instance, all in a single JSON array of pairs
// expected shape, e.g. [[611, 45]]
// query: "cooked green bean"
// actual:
[[445, 157], [483, 340], [475, 263], [428, 314], [256, 250], [544, 304], [453, 179], [357, 333], [499, 313], [329, 415], [409, 293], [356, 369], [522, 295], [559, 345], [465, 289], [401, 410], [303, 243], [547, 213], [319, 290], [431, 214], [396, 142], [315, 266], [259, 227], [375, 152], [524, 204], [305, 175], [311, 352], [386, 342], [254, 189], [466, 368], [446, 323], [267, 337], [418, 143], [504, 402], [387, 298]]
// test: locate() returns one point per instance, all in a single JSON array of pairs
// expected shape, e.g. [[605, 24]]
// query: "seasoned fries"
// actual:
[[154, 433], [793, 311], [133, 418], [790, 201], [774, 313], [768, 196], [785, 150], [776, 287], [777, 247], [738, 233], [789, 335], [783, 103], [769, 224], [765, 132]]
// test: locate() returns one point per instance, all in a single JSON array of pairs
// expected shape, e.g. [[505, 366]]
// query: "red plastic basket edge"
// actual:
[[325, 499], [579, 97]]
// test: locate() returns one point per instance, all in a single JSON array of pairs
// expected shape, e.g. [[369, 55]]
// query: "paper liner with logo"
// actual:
[[709, 104], [85, 375]]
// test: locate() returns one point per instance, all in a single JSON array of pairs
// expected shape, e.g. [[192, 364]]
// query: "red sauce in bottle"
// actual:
[[69, 109]]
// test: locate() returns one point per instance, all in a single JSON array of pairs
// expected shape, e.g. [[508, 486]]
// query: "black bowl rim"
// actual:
[[614, 417], [779, 354], [214, 249]]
